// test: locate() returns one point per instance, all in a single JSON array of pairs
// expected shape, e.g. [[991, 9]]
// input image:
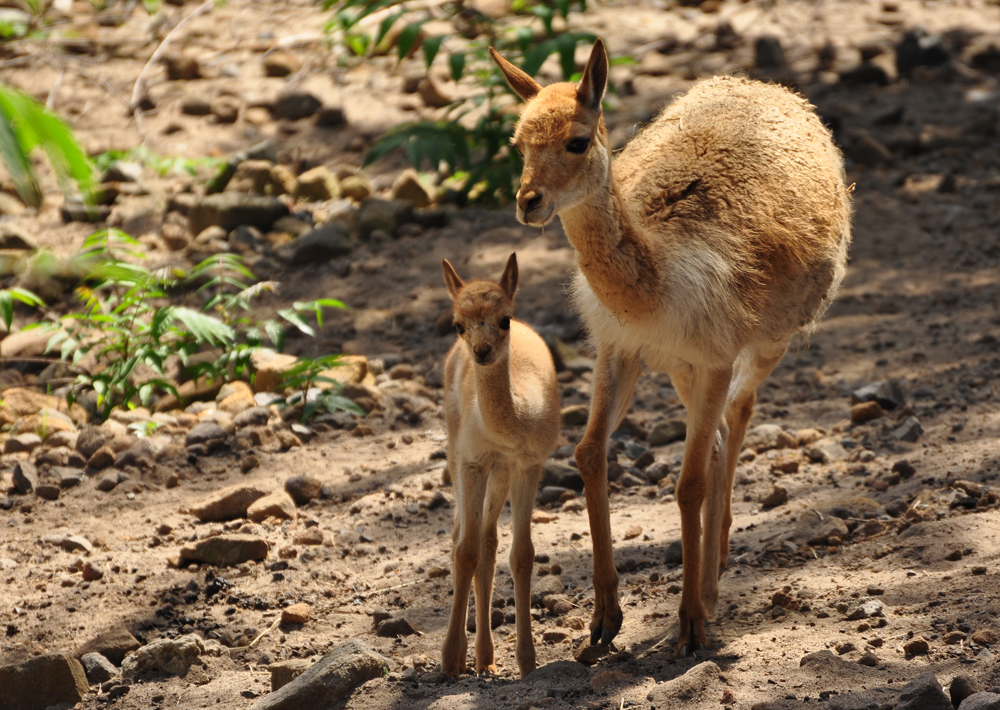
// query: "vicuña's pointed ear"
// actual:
[[522, 84], [508, 282], [451, 279], [594, 81]]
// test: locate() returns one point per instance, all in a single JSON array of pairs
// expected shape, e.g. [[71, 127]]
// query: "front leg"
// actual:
[[615, 375], [704, 392]]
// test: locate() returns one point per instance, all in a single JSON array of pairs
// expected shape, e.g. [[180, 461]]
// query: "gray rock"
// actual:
[[562, 475], [326, 242], [827, 661], [668, 432], [107, 482], [864, 700], [918, 49], [195, 106], [246, 238], [549, 584], [923, 693], [768, 53], [25, 477], [674, 553], [254, 416], [910, 430], [228, 503], [774, 497], [981, 701], [962, 686], [826, 451], [204, 433], [229, 210], [332, 679], [22, 442], [768, 436], [393, 628], [387, 215], [700, 685], [174, 656], [93, 438], [123, 171], [98, 668], [889, 394], [303, 489], [550, 494], [867, 609], [226, 550], [48, 491], [35, 684], [114, 644], [294, 105]]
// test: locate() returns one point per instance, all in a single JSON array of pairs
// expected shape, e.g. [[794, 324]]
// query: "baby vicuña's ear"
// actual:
[[522, 84], [508, 282], [451, 279], [594, 81]]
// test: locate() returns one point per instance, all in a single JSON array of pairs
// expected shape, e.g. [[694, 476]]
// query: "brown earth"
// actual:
[[919, 305]]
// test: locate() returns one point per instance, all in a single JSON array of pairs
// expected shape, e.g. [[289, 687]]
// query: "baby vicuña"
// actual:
[[502, 412]]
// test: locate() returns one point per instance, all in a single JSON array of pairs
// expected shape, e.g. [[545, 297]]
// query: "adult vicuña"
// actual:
[[502, 411], [719, 232]]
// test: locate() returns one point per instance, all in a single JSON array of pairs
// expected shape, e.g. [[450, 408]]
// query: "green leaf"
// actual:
[[205, 328], [297, 320], [6, 308], [276, 333], [536, 56], [431, 47], [456, 62], [386, 25], [545, 14], [407, 37], [563, 7], [566, 44]]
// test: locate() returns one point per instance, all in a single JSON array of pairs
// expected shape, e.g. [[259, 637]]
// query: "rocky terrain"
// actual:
[[232, 557]]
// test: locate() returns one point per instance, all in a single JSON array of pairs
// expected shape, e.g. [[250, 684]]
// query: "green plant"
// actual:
[[129, 327], [164, 165], [7, 298], [470, 145], [24, 126], [305, 377]]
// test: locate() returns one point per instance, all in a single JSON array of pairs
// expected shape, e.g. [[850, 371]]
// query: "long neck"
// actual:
[[613, 253], [494, 394]]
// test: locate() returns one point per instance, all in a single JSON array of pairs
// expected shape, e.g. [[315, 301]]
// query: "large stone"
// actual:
[[357, 187], [98, 668], [235, 397], [889, 394], [819, 532], [174, 656], [93, 438], [700, 687], [549, 584], [228, 504], [318, 246], [768, 436], [561, 475], [114, 644], [276, 505], [318, 185], [25, 477], [407, 186], [139, 215], [26, 343], [981, 701], [668, 432], [303, 489], [226, 550], [923, 693], [45, 422], [229, 210], [294, 105], [19, 402], [962, 686], [386, 215], [35, 684], [271, 368], [328, 681], [205, 433]]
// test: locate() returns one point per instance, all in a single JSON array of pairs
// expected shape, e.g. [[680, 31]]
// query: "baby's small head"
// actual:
[[482, 311]]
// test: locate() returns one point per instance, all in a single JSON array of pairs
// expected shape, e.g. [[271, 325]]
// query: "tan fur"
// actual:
[[717, 234], [502, 411]]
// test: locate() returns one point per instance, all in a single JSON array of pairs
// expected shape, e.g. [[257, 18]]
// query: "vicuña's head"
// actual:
[[561, 137], [482, 311]]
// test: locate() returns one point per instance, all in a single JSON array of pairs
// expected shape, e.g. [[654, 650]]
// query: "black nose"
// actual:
[[483, 351], [532, 202]]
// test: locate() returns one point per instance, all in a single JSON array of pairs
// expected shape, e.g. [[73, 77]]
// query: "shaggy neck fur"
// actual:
[[612, 253]]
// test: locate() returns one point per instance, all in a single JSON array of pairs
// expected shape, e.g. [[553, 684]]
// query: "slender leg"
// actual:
[[614, 379], [706, 400], [471, 492], [496, 496], [714, 507], [522, 560]]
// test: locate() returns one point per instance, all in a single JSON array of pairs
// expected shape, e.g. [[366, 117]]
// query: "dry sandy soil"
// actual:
[[919, 305]]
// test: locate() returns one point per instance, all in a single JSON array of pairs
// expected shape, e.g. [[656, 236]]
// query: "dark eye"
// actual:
[[578, 145], [460, 328], [505, 324]]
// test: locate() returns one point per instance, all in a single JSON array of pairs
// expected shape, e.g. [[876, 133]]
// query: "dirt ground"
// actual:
[[919, 305]]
